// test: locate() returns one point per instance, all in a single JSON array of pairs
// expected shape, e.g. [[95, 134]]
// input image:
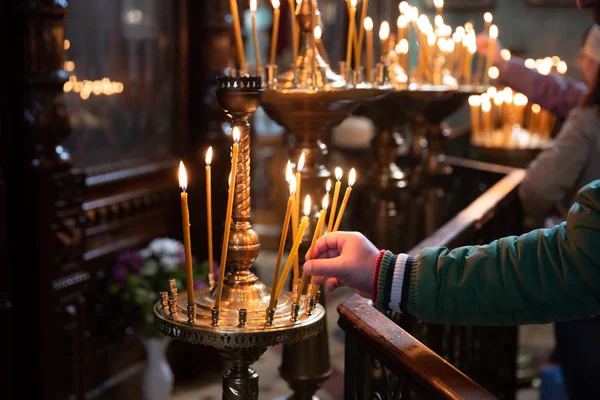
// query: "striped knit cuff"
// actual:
[[376, 275], [393, 282]]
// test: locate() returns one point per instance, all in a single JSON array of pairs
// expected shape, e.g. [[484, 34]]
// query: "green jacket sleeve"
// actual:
[[541, 276]]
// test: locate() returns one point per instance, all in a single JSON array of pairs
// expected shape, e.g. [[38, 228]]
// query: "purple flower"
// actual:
[[127, 263]]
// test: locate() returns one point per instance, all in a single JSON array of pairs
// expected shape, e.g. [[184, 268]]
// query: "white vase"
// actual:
[[157, 383]]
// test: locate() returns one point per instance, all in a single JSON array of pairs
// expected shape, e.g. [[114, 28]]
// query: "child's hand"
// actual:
[[343, 258], [482, 41]]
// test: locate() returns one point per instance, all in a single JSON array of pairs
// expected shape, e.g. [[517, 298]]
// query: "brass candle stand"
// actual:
[[244, 326]]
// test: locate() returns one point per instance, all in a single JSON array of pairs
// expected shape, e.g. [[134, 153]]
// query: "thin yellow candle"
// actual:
[[351, 180], [486, 107], [294, 30], [234, 157], [487, 22], [368, 25], [275, 33], [361, 33], [296, 215], [351, 23], [255, 35], [284, 231], [475, 103], [319, 42], [384, 34], [336, 194], [439, 6], [211, 272], [493, 35], [316, 235], [533, 119], [239, 44], [294, 250], [185, 219]]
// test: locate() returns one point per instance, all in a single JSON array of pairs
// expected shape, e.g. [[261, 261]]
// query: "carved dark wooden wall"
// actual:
[[66, 225]]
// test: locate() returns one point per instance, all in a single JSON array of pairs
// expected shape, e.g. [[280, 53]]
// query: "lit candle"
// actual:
[[296, 214], [561, 67], [294, 30], [350, 32], [351, 180], [401, 24], [185, 219], [275, 33], [487, 22], [534, 118], [211, 272], [493, 35], [294, 250], [475, 103], [361, 33], [439, 6], [237, 32], [319, 42], [368, 25], [286, 223], [336, 194], [486, 107], [384, 34], [234, 157], [316, 234], [255, 34]]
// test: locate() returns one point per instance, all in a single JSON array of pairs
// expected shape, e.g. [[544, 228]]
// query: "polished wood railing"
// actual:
[[388, 356]]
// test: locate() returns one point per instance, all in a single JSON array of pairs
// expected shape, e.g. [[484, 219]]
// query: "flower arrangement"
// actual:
[[138, 277]]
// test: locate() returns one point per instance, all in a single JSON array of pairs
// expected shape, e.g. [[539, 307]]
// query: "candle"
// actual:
[[533, 120], [185, 219], [234, 157], [255, 35], [351, 180], [561, 67], [486, 107], [368, 25], [211, 272], [284, 230], [401, 25], [316, 234], [384, 34], [352, 14], [475, 103], [336, 194], [493, 35], [296, 215], [294, 30], [498, 107], [275, 33], [320, 46], [439, 6], [361, 33], [403, 51], [237, 33], [294, 250]]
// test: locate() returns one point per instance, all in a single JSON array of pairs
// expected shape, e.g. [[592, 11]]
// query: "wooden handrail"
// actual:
[[404, 355]]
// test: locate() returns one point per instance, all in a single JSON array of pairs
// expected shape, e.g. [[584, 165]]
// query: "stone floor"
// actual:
[[536, 341]]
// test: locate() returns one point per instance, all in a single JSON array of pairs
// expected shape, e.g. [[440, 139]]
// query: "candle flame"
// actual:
[[403, 7], [368, 24], [403, 46], [384, 30], [535, 108], [401, 22], [505, 54], [472, 48], [493, 72], [289, 175], [352, 177], [325, 202], [236, 134], [492, 91], [438, 3], [493, 32], [413, 14], [292, 187], [307, 205], [461, 31], [488, 17], [338, 173], [318, 32], [300, 163], [441, 43], [520, 99], [275, 3], [353, 3], [253, 5], [183, 181], [328, 185], [486, 106], [530, 63], [438, 21], [449, 46], [208, 158], [468, 27], [499, 98], [485, 98], [555, 60], [561, 67], [431, 39], [474, 101]]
